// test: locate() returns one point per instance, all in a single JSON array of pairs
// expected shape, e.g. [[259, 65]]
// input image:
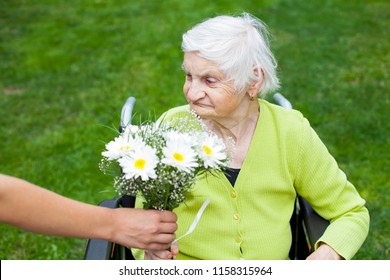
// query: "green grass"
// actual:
[[66, 68]]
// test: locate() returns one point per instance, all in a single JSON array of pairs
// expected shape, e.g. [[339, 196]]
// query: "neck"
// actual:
[[237, 134], [237, 126]]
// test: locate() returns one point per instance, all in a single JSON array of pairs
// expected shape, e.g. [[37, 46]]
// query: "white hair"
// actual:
[[238, 45]]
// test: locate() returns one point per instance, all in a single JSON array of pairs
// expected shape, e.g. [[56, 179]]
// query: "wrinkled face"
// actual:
[[207, 90]]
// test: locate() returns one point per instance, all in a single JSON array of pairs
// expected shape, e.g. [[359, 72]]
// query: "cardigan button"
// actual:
[[236, 216], [238, 238], [233, 194]]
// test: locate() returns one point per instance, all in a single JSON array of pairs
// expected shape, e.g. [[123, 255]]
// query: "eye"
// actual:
[[188, 77], [211, 81]]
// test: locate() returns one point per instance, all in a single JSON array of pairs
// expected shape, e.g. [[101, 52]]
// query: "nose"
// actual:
[[195, 91]]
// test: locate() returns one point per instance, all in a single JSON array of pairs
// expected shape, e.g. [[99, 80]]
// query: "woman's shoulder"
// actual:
[[280, 114], [289, 124], [179, 111], [175, 113]]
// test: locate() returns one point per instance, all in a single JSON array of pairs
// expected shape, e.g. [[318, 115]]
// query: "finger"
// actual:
[[168, 227], [160, 242], [159, 246], [175, 248], [158, 255], [165, 239], [168, 216]]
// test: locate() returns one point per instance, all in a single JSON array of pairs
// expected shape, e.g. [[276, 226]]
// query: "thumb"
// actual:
[[175, 248]]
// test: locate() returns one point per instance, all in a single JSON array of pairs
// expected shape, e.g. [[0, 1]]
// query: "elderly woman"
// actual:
[[229, 69]]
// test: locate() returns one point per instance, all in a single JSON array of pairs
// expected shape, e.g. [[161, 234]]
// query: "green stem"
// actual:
[[167, 197]]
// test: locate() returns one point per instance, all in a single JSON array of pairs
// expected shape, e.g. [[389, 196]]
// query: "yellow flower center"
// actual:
[[178, 157], [207, 150], [140, 163], [125, 148]]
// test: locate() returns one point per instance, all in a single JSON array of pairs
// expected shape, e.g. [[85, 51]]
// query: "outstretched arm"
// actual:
[[32, 208]]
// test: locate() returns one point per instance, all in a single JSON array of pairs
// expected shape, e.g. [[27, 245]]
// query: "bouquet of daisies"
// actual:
[[161, 162]]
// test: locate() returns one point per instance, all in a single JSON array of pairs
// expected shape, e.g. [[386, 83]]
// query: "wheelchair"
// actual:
[[306, 225]]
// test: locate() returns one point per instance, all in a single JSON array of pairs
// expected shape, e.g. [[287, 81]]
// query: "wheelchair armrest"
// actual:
[[313, 224], [102, 249]]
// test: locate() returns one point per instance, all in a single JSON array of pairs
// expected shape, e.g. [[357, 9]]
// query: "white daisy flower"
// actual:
[[120, 147], [179, 154], [130, 130], [142, 163], [185, 138], [212, 151]]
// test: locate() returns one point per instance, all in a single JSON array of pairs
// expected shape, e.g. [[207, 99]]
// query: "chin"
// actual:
[[199, 111]]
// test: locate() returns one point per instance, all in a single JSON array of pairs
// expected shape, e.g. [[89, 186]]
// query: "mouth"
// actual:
[[201, 105]]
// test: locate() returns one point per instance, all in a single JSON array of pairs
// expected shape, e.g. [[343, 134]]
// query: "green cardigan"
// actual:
[[251, 219]]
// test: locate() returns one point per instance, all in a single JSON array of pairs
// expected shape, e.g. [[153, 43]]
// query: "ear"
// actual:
[[254, 87]]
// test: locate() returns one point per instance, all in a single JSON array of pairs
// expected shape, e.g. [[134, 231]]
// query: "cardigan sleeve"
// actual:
[[326, 187]]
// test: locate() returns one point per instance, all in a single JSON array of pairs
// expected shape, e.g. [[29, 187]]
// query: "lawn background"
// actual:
[[67, 67]]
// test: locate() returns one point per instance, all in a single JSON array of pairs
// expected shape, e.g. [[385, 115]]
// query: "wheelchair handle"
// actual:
[[126, 113], [282, 101]]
